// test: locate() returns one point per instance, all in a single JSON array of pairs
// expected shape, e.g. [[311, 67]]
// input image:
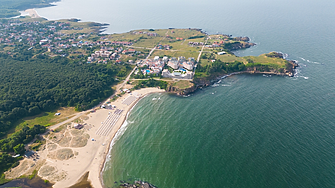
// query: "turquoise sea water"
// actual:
[[250, 130]]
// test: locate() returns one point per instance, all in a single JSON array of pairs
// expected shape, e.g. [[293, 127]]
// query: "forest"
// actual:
[[10, 8], [30, 86], [15, 144]]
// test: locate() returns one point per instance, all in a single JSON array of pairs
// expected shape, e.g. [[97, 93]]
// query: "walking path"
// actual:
[[202, 50]]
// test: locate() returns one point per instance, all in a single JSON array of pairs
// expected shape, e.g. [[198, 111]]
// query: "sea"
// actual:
[[248, 131]]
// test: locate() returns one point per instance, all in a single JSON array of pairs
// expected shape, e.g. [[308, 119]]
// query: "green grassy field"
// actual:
[[183, 84], [44, 119], [263, 59], [179, 45], [170, 53], [230, 58]]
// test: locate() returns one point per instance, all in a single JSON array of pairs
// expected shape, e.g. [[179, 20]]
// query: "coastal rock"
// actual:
[[137, 184], [172, 89], [245, 39]]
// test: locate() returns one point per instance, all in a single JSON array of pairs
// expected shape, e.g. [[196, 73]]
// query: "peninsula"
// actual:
[[121, 67], [165, 54]]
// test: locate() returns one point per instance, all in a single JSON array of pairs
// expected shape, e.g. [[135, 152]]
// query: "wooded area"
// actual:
[[10, 8], [41, 84]]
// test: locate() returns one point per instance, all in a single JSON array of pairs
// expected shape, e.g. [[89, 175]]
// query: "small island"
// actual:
[[57, 75]]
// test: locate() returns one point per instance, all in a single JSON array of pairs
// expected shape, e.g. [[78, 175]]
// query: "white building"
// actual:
[[177, 74], [173, 64], [188, 65]]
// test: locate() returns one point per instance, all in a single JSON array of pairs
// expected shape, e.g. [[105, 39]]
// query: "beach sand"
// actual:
[[91, 157], [32, 13]]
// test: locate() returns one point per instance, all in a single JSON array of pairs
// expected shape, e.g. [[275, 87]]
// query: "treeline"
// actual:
[[41, 84], [151, 83], [10, 8], [15, 143]]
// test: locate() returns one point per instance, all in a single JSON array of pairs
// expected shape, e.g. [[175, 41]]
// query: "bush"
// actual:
[[15, 164]]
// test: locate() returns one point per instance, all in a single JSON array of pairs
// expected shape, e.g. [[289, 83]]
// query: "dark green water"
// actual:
[[248, 134], [251, 130]]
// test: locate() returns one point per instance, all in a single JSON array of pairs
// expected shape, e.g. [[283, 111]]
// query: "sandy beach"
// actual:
[[69, 153], [32, 13], [91, 158]]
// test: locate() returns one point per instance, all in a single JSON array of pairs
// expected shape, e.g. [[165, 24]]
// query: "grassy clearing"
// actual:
[[179, 45], [171, 53], [230, 58], [44, 119], [183, 84], [148, 42], [263, 59], [184, 33], [205, 62]]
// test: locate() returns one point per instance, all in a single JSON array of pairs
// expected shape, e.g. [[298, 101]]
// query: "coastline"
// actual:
[[95, 158], [32, 13], [113, 138], [94, 162]]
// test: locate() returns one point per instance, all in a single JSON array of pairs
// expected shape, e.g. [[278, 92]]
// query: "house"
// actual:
[[221, 53]]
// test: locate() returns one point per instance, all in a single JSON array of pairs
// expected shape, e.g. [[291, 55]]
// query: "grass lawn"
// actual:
[[171, 53], [263, 59], [45, 119], [183, 84], [179, 45], [148, 42], [205, 62], [230, 58], [184, 33]]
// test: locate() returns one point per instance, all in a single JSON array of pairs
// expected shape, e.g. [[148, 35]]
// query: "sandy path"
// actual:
[[91, 157]]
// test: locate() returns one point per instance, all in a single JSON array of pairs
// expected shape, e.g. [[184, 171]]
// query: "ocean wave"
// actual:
[[309, 61], [285, 55], [117, 136]]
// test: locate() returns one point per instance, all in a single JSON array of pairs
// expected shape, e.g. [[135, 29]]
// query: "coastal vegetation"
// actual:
[[10, 8], [15, 144], [267, 63], [151, 83]]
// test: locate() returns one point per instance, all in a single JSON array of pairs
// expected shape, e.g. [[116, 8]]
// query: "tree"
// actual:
[[19, 149]]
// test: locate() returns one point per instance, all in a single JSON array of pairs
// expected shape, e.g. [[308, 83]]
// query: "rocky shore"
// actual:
[[136, 184], [205, 82]]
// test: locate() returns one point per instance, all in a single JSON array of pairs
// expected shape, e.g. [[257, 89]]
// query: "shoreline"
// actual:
[[32, 13], [72, 156], [92, 157], [110, 146]]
